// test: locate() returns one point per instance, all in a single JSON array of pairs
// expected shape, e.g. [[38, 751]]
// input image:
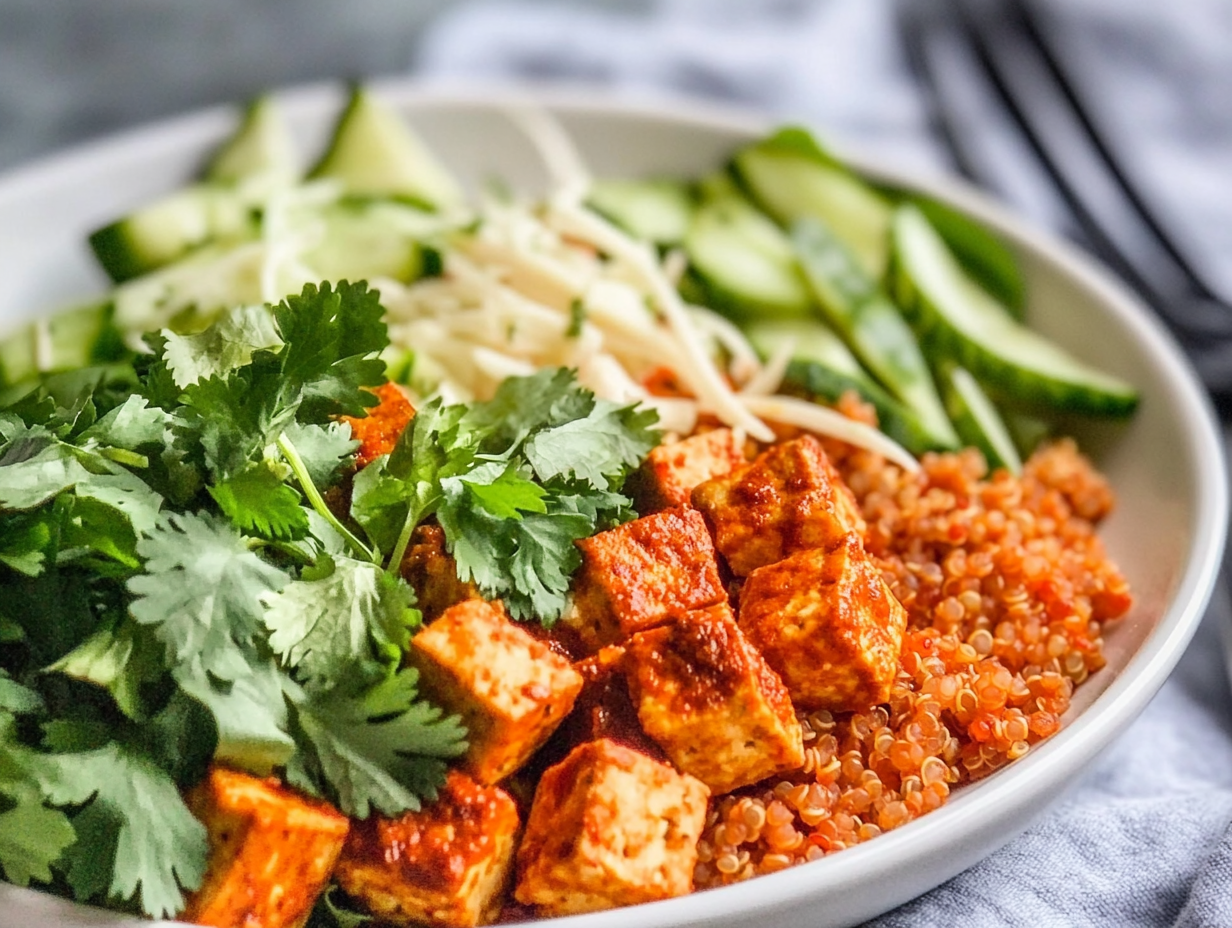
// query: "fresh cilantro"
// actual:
[[121, 656], [351, 621], [380, 751], [32, 836], [577, 319], [227, 344], [201, 593], [514, 482], [251, 716], [134, 833], [323, 448], [257, 501]]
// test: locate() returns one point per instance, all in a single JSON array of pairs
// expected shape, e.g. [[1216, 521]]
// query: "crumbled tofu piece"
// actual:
[[433, 573], [706, 695], [447, 864], [640, 574], [670, 472], [789, 499], [511, 690], [608, 827], [271, 852], [828, 624]]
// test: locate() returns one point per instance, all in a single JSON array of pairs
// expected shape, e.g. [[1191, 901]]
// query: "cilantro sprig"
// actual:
[[176, 591], [513, 482]]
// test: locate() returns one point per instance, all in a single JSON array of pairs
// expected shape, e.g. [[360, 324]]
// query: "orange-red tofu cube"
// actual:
[[706, 695], [608, 827], [789, 499], [447, 864], [640, 574], [433, 573], [670, 472], [826, 621], [510, 689], [271, 852]]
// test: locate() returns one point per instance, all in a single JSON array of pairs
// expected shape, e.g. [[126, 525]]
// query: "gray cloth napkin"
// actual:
[[1145, 839]]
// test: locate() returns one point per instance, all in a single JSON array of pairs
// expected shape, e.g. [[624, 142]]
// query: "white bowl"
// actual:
[[1166, 465]]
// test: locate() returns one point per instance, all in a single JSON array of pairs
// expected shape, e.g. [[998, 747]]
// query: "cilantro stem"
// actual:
[[404, 538], [300, 470]]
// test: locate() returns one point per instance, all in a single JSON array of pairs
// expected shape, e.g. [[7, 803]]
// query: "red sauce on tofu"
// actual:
[[379, 431], [434, 847]]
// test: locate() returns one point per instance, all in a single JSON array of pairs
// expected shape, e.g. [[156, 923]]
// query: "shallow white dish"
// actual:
[[1166, 465]]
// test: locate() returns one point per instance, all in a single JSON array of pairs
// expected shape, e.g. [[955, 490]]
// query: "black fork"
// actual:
[[984, 60]]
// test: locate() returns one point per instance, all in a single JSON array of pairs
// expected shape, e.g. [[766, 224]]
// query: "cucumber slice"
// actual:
[[1027, 431], [1019, 366], [976, 418], [870, 324], [188, 294], [823, 368], [368, 239], [68, 340], [657, 211], [982, 254], [745, 262], [790, 176], [169, 228], [261, 146], [374, 152]]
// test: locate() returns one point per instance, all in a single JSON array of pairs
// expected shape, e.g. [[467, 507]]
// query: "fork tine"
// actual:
[[1111, 219], [1039, 35]]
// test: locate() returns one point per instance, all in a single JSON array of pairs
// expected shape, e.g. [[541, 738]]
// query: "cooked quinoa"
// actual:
[[1007, 589]]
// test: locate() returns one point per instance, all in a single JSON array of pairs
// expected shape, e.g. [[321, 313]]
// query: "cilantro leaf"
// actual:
[[131, 425], [351, 622], [201, 593], [599, 449], [251, 716], [135, 834], [257, 501], [380, 751], [323, 448], [32, 837], [227, 344], [119, 657]]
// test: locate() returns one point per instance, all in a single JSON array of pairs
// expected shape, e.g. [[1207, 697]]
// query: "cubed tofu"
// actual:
[[640, 574], [706, 695], [670, 472], [608, 827], [447, 864], [828, 624], [433, 573], [271, 852], [789, 499], [510, 690]]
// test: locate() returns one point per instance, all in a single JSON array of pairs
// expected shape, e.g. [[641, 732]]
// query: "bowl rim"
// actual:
[[1004, 795]]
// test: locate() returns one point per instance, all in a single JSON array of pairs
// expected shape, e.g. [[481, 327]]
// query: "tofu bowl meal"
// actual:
[[425, 507]]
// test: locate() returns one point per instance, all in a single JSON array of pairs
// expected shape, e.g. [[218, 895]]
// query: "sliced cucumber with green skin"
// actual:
[[368, 239], [68, 340], [984, 256], [790, 176], [374, 152], [976, 418], [169, 228], [257, 158], [823, 368], [262, 145], [873, 327], [1017, 365], [745, 262], [656, 210]]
